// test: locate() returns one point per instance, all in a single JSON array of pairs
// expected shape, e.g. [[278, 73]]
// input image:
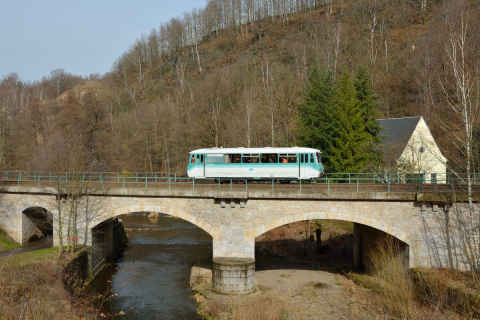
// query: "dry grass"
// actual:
[[448, 290], [392, 276]]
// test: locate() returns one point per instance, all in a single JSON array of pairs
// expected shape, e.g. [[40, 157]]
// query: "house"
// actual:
[[409, 147]]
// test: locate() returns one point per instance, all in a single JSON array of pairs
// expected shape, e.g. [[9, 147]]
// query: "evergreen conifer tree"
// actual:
[[348, 152], [315, 119], [367, 100]]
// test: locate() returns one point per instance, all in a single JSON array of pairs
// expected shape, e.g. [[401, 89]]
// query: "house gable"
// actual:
[[397, 133], [403, 141]]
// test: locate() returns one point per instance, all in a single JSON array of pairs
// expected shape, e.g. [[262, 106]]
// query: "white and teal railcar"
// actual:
[[284, 164]]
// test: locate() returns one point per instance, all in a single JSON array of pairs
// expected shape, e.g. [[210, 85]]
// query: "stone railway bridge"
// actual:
[[424, 223]]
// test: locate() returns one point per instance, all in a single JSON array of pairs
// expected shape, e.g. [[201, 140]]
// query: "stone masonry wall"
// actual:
[[233, 228]]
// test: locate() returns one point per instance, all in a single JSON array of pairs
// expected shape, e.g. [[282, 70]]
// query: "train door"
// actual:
[[201, 164], [305, 159], [301, 165]]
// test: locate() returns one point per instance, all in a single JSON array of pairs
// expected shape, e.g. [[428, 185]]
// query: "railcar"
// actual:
[[284, 164]]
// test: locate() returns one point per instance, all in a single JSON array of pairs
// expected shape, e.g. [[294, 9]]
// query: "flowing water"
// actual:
[[152, 279]]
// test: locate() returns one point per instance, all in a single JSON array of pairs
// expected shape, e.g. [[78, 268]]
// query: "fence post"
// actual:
[[273, 183], [101, 179], [124, 182], [146, 182], [175, 178], [300, 184], [388, 182], [328, 184], [230, 184], [169, 183], [118, 176], [193, 183], [246, 184], [357, 184]]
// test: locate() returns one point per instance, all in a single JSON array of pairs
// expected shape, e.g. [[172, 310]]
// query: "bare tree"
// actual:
[[461, 76]]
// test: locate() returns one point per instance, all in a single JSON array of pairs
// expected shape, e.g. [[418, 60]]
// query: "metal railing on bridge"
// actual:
[[354, 182]]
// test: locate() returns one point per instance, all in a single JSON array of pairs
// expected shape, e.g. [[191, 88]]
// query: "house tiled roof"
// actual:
[[398, 131]]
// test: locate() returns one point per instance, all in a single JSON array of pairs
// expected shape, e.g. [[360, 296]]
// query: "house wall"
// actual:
[[431, 161]]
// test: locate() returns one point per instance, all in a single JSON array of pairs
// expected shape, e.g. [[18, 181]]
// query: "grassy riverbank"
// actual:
[[6, 242], [32, 286]]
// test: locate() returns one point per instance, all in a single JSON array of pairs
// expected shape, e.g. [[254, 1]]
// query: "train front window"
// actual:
[[269, 158], [251, 158], [319, 157]]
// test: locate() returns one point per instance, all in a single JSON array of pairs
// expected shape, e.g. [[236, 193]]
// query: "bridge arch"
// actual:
[[376, 224], [215, 232]]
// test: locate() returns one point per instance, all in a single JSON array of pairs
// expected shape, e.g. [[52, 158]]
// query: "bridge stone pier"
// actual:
[[426, 224]]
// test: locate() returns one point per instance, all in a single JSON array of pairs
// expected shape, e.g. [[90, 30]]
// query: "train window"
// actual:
[[319, 157], [201, 158], [192, 158], [251, 158], [301, 158], [311, 158], [269, 158], [214, 158], [233, 158]]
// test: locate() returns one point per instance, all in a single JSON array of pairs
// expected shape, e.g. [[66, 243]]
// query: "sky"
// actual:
[[79, 36]]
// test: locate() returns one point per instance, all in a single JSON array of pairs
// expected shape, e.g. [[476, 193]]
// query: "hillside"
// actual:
[[180, 88]]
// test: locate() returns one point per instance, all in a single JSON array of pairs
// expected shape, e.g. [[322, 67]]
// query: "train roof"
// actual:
[[257, 150]]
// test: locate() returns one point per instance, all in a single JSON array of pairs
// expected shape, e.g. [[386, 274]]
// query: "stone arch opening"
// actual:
[[37, 223], [107, 235], [365, 236]]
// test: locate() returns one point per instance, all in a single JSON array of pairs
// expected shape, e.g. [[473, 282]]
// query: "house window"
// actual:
[[433, 178]]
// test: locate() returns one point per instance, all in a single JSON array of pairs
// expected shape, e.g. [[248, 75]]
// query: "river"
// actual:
[[152, 279]]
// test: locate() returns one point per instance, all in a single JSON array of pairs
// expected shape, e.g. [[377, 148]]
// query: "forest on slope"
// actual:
[[231, 74]]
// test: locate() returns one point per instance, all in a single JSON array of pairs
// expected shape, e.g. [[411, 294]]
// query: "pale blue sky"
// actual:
[[79, 36]]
